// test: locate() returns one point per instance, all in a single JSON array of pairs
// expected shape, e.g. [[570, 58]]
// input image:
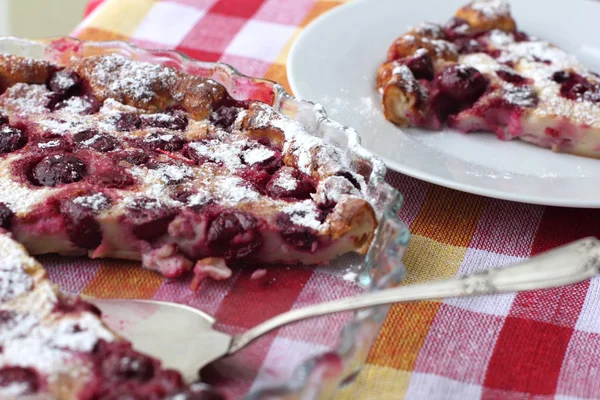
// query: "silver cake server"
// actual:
[[183, 338]]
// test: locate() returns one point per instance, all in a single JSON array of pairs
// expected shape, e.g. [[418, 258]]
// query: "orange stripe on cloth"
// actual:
[[403, 334], [277, 73], [448, 216], [123, 279], [319, 8]]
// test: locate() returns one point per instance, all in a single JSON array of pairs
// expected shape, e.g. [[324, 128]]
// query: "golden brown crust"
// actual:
[[407, 44], [487, 15], [401, 94], [255, 127], [428, 30], [14, 69], [353, 216], [165, 87]]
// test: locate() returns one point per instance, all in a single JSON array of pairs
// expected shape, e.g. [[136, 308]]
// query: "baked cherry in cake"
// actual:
[[55, 346], [478, 72], [108, 157]]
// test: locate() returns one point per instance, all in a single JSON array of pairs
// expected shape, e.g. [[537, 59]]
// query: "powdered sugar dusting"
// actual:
[[298, 141], [286, 181], [234, 190], [24, 98], [49, 144], [304, 213], [199, 199], [491, 8], [75, 105], [174, 173], [332, 189], [96, 202], [257, 154], [499, 38], [537, 60], [226, 153], [140, 80], [15, 389]]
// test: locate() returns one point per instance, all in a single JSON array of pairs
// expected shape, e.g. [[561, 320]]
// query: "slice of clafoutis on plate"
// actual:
[[108, 157], [478, 72]]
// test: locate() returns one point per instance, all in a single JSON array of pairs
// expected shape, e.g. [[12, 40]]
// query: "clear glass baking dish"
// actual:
[[316, 377]]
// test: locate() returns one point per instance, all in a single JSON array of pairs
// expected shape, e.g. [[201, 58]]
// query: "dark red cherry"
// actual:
[[289, 183], [150, 218], [593, 94], [133, 156], [6, 215], [11, 139], [456, 28], [127, 122], [468, 45], [64, 82], [258, 177], [3, 118], [7, 317], [128, 365], [177, 122], [84, 105], [56, 170], [103, 143], [270, 164], [520, 36], [224, 116], [561, 76], [301, 237], [164, 141], [421, 65], [234, 235], [94, 140], [511, 76], [462, 83], [82, 227], [26, 379], [114, 177]]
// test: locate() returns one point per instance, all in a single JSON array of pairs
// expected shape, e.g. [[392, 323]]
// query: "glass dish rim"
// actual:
[[303, 375]]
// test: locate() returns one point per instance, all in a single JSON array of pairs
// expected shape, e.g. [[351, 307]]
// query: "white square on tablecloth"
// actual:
[[167, 23], [589, 317], [435, 387], [480, 260], [260, 40]]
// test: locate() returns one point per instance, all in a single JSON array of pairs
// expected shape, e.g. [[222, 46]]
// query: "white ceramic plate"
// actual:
[[334, 62]]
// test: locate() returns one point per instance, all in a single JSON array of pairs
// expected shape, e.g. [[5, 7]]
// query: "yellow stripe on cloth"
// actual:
[[122, 279], [376, 383], [427, 259], [111, 18]]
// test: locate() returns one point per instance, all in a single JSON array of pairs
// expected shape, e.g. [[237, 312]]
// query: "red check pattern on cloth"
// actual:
[[537, 345]]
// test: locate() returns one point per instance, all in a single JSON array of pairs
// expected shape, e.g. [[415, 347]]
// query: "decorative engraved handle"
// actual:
[[564, 265]]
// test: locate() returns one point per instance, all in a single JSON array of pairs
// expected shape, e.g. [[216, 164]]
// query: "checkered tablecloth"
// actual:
[[537, 345]]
